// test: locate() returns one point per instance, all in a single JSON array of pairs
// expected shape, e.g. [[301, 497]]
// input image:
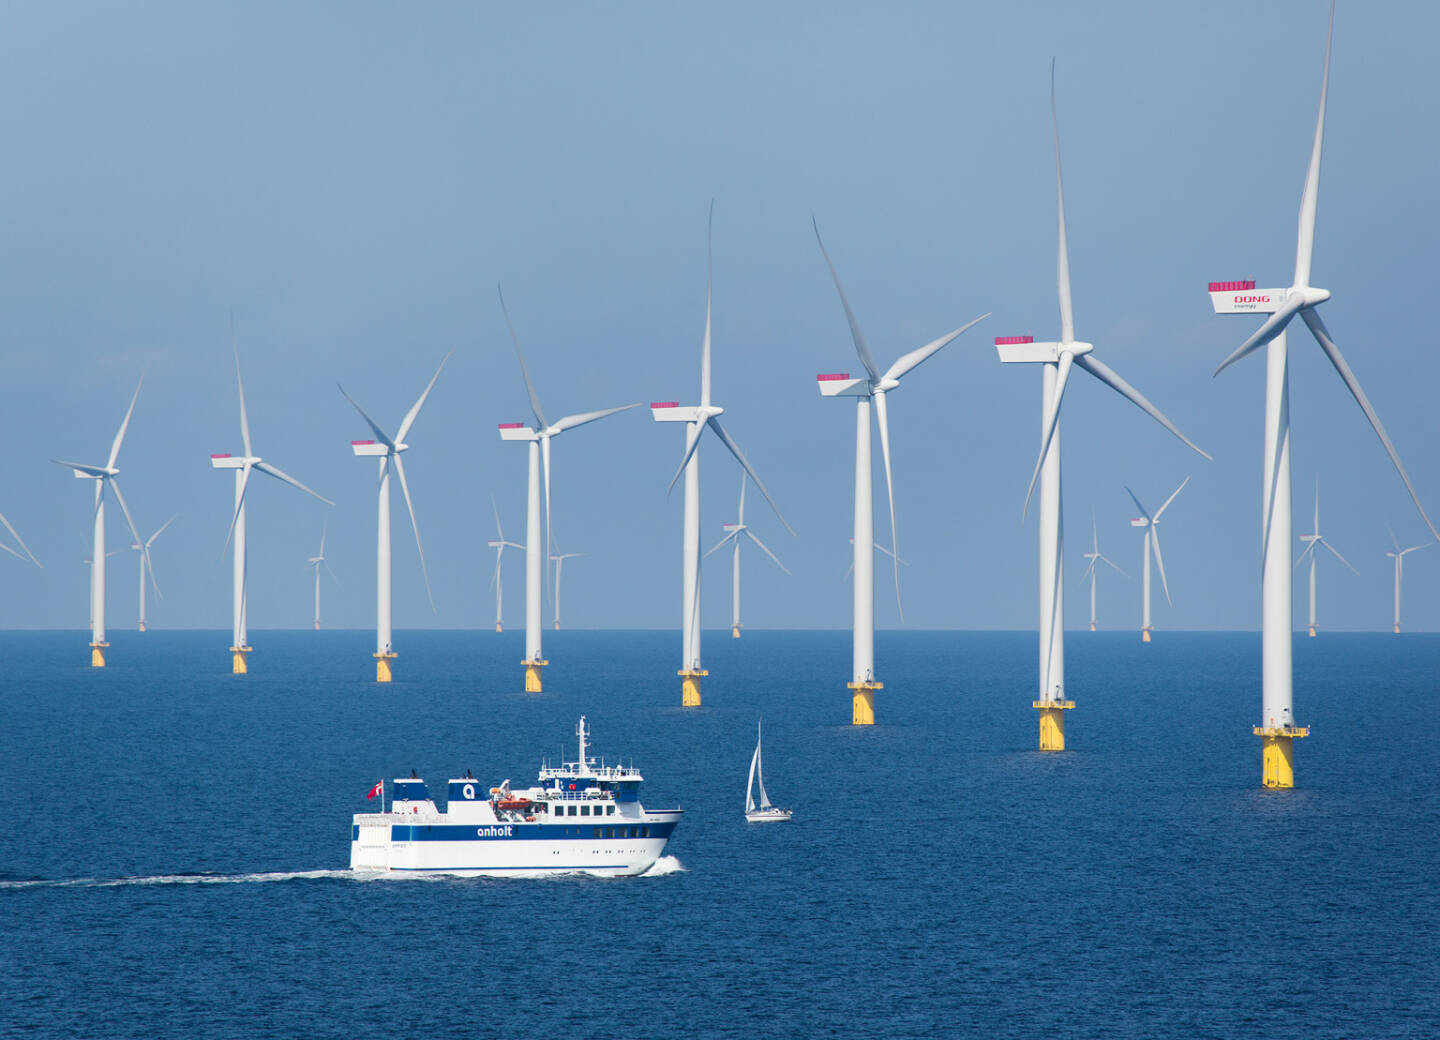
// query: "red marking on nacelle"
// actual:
[[832, 376], [362, 442], [510, 425], [220, 455], [1232, 286], [664, 404], [1005, 341]]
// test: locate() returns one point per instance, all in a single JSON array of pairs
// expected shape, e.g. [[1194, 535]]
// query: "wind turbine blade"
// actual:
[[1094, 533], [239, 505], [1305, 240], [1393, 540], [265, 467], [887, 552], [1337, 554], [115, 487], [1322, 336], [524, 371], [240, 385], [860, 347], [1171, 498], [380, 435], [1107, 375], [709, 267], [1051, 419], [714, 424], [120, 434], [80, 467], [722, 541], [1316, 529], [149, 566], [409, 419], [1159, 562], [1090, 568], [329, 571], [1116, 569], [16, 535], [1143, 511], [1306, 552], [1273, 326], [766, 551], [400, 472], [913, 359], [151, 540], [1062, 265], [572, 421], [882, 415], [692, 441], [499, 532], [15, 554], [324, 527], [743, 480]]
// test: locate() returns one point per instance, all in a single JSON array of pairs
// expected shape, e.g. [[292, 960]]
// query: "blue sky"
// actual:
[[352, 180]]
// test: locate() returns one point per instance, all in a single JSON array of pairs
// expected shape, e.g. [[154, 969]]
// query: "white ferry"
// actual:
[[582, 817]]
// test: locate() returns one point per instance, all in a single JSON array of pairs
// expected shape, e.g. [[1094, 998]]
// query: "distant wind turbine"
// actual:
[[104, 476], [1316, 539], [389, 451], [732, 534], [539, 437], [499, 544], [1151, 546], [872, 387], [698, 418], [1399, 555], [317, 561], [558, 559], [243, 465], [1057, 360], [1277, 728], [1095, 558], [147, 567]]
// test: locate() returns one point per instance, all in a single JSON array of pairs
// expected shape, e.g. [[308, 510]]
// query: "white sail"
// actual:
[[760, 772], [750, 783]]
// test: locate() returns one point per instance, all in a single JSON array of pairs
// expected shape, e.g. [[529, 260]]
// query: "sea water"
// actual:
[[173, 858]]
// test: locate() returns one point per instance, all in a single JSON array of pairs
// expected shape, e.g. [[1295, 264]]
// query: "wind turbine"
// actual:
[[317, 561], [1057, 360], [499, 544], [559, 558], [104, 476], [1399, 555], [732, 534], [872, 387], [1151, 546], [388, 450], [698, 418], [1278, 728], [1314, 540], [147, 568], [1095, 558], [538, 437], [243, 465]]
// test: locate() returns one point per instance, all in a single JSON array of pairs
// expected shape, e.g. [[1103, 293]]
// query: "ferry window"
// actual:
[[609, 809], [598, 830], [584, 810], [644, 832]]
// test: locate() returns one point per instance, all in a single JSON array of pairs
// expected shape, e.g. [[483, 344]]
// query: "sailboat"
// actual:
[[764, 812]]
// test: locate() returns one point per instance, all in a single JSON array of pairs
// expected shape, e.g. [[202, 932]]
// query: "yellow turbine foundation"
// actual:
[[237, 660], [862, 702], [499, 627], [1052, 723], [97, 655], [690, 686], [1092, 626], [734, 631], [1397, 628], [1312, 631], [1277, 754], [532, 676], [142, 626], [1144, 635], [383, 671]]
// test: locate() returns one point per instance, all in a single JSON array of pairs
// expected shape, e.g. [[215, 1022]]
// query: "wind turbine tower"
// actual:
[[388, 450], [1151, 546], [732, 534], [1399, 555], [244, 465], [147, 568], [868, 389], [697, 419], [1277, 729], [538, 437], [1096, 558], [1056, 360], [499, 544], [104, 476], [1317, 539]]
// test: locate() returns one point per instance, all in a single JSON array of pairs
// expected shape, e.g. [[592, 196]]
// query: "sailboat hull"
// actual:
[[771, 815]]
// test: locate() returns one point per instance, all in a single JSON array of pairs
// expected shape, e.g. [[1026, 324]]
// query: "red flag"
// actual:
[[376, 790]]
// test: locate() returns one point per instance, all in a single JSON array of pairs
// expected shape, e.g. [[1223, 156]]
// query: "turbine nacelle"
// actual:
[[1242, 297], [1024, 350], [227, 461], [672, 411], [373, 449], [1139, 521]]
